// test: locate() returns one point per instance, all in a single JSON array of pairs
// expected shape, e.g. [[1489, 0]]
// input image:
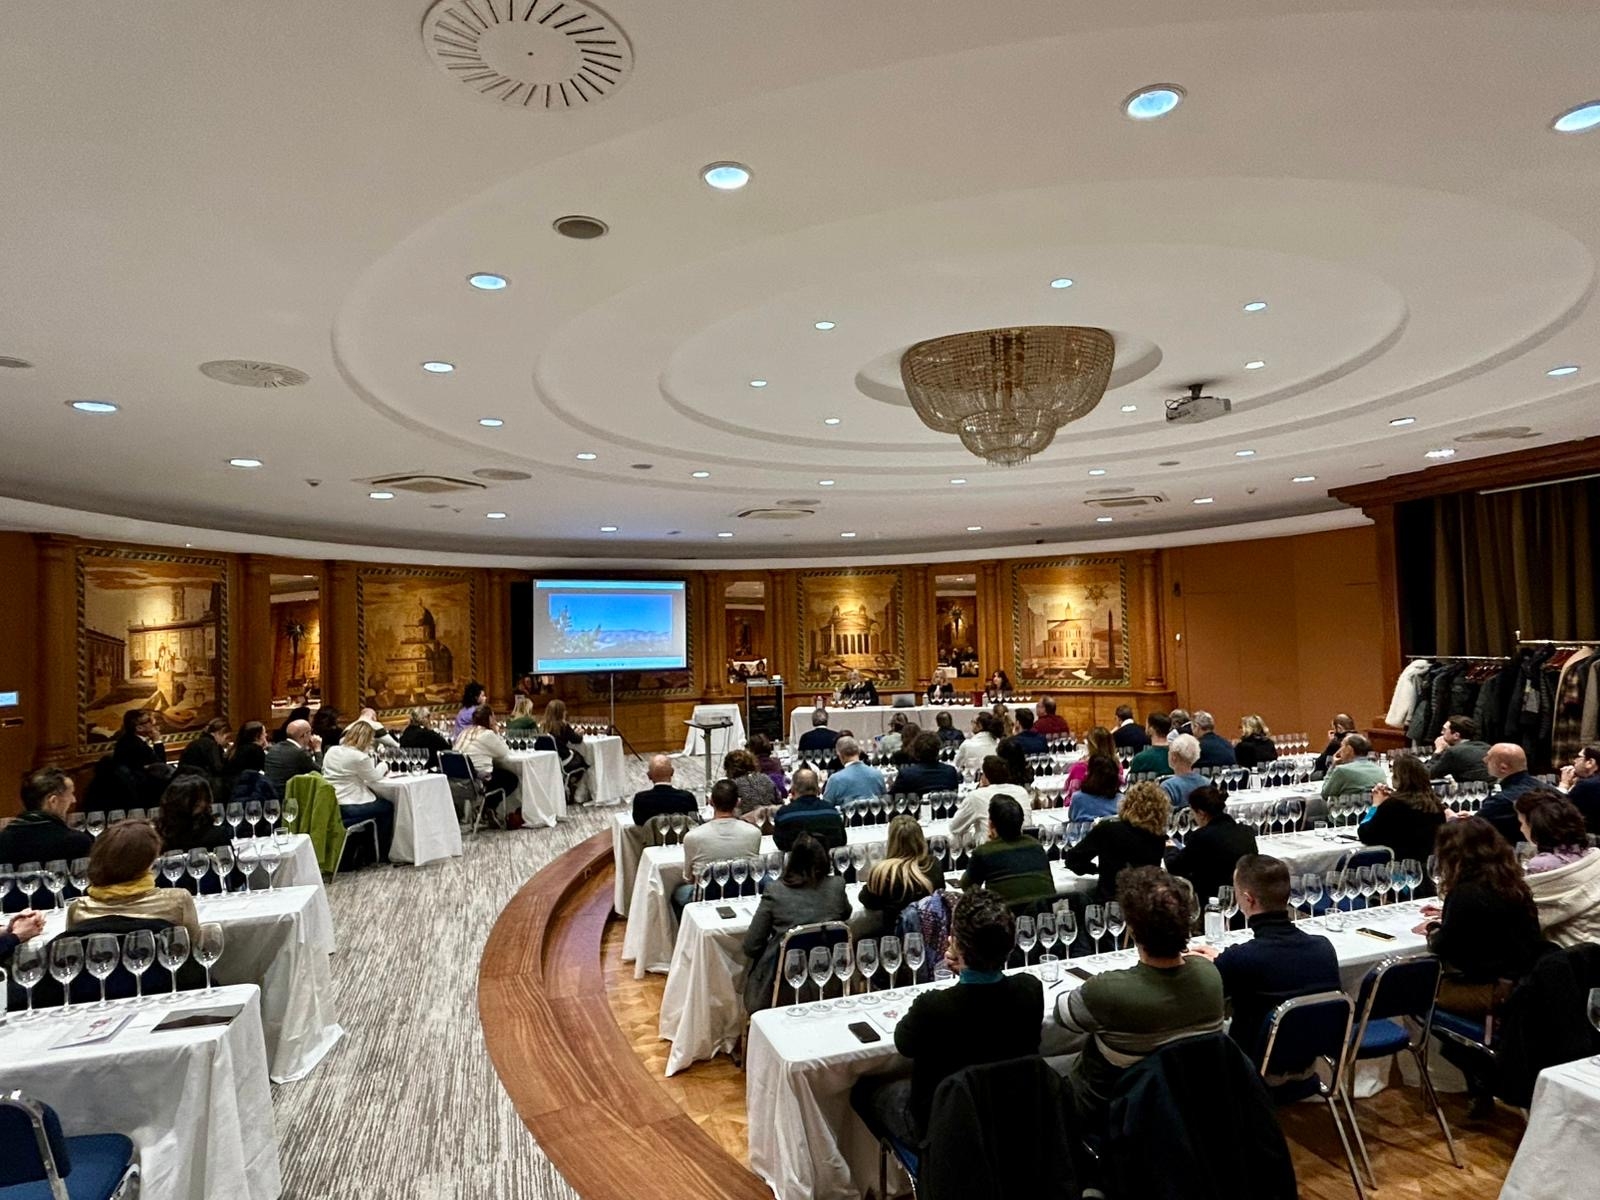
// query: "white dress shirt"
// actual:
[[352, 772]]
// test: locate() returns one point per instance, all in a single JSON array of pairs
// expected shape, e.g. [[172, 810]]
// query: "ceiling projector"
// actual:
[[1196, 406]]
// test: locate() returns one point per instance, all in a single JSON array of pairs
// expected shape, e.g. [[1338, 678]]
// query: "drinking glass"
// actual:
[[867, 960], [841, 860], [1382, 877], [1297, 895], [821, 968], [794, 970], [859, 858], [1311, 885], [209, 948], [775, 865], [755, 866], [78, 875], [739, 870], [1045, 925], [138, 952], [172, 951], [103, 952], [272, 810], [291, 813], [844, 965], [28, 880], [1364, 885], [77, 821], [271, 860], [876, 853], [719, 872], [1027, 937], [1095, 914], [66, 964], [1434, 871], [173, 865], [27, 968], [55, 879], [1227, 903], [1066, 929], [915, 953], [248, 857], [197, 863], [222, 863], [1115, 924], [888, 952], [116, 815], [235, 816]]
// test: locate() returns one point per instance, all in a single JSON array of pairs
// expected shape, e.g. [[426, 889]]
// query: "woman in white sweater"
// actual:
[[486, 750], [1564, 873], [351, 769]]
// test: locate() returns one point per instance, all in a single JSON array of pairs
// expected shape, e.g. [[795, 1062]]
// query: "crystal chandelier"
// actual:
[[1005, 392]]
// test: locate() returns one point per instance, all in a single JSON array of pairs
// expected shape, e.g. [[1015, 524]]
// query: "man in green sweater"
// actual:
[[1352, 769], [1010, 864], [1126, 1015], [1152, 760]]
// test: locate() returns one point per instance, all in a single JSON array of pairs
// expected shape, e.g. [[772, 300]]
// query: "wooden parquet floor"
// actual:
[[1407, 1150]]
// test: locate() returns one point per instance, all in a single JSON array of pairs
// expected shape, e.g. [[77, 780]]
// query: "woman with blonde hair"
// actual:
[[553, 725], [1255, 745], [351, 769], [522, 719], [1098, 742], [907, 874], [1136, 837]]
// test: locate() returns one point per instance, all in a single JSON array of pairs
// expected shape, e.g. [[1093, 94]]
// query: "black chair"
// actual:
[[38, 1162], [1299, 1033], [465, 782]]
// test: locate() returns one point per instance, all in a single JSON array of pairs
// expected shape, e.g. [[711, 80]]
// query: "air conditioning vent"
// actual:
[[243, 372], [774, 514], [427, 485], [1149, 501], [1506, 433], [501, 474]]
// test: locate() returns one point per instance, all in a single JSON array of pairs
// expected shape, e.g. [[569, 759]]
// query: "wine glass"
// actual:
[[915, 953], [252, 816], [271, 860], [272, 810], [775, 865], [1333, 884], [859, 858], [27, 967], [1227, 903], [103, 952], [1364, 884], [78, 875], [1592, 1008], [841, 860], [1382, 877], [209, 948], [1115, 924], [1095, 914], [739, 870], [844, 965], [173, 866], [66, 964], [720, 872], [1045, 924], [889, 953], [138, 952], [1311, 885], [28, 880], [1297, 896], [115, 816], [197, 863], [235, 816], [247, 856], [794, 970], [821, 969], [1027, 937], [1435, 872], [1295, 807], [1066, 928], [222, 863], [291, 814], [172, 951], [55, 879]]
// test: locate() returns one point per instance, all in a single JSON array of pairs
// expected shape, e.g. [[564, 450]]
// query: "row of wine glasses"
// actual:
[[402, 760], [1267, 816], [96, 823], [66, 957], [1101, 919], [54, 877], [880, 810], [756, 871], [248, 855], [254, 812], [842, 962]]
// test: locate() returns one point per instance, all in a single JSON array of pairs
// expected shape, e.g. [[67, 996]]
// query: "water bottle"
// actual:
[[1213, 921]]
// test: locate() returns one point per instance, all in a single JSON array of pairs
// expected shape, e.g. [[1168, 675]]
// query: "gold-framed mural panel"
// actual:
[[851, 620], [416, 637], [1069, 623]]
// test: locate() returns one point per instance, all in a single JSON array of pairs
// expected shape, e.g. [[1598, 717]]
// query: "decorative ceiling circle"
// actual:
[[545, 55], [243, 372]]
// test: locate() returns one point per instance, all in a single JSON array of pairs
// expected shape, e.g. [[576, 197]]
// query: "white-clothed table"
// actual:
[[426, 828], [722, 740], [872, 720], [805, 1140], [605, 782], [195, 1102], [298, 868], [541, 791], [1560, 1153]]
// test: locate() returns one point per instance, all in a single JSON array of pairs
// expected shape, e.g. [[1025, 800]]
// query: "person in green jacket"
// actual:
[[1353, 769]]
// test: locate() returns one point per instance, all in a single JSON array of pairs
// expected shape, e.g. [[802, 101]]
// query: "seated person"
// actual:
[[1406, 815], [1215, 750], [760, 747], [944, 726], [419, 734], [986, 734], [1183, 755], [554, 726], [1352, 769], [143, 762], [807, 813], [205, 755], [994, 779], [352, 771], [858, 689], [1027, 737], [987, 1016], [291, 755], [1046, 723], [1581, 782], [1280, 962], [185, 821], [1343, 723], [1137, 837], [1507, 762], [925, 773], [487, 751], [1152, 760], [1213, 848], [1129, 734], [943, 686], [855, 780], [1126, 1015], [299, 713], [1255, 745], [905, 875], [661, 797], [16, 929], [819, 736], [1458, 753], [1098, 742], [1564, 874], [893, 738], [1010, 864], [40, 834], [473, 696], [756, 791], [122, 881], [1100, 792], [999, 687], [909, 733], [805, 894], [522, 719], [722, 838], [248, 753]]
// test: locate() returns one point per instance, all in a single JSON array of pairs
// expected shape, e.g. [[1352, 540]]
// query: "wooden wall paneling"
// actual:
[[1387, 566], [24, 666], [994, 622], [922, 649], [1150, 645], [494, 626], [1341, 655], [340, 680], [252, 643], [58, 641]]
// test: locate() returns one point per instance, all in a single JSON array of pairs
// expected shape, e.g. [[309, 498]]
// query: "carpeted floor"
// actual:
[[408, 1103]]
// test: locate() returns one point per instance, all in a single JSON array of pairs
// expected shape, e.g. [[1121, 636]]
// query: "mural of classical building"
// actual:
[[108, 662], [179, 654], [1057, 637], [852, 637], [421, 662]]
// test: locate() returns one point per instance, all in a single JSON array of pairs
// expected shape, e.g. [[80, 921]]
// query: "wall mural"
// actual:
[[152, 634], [416, 637], [297, 650], [957, 620], [852, 621], [1070, 622]]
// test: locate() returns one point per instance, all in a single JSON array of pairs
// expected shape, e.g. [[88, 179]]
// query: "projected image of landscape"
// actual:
[[607, 626]]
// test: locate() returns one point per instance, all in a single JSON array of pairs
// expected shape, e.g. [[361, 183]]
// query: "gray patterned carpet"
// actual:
[[408, 1103]]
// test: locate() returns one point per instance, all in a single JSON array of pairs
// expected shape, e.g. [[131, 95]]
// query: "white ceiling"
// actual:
[[299, 183]]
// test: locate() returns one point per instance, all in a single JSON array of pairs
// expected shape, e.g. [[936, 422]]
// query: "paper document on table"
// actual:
[[888, 1017], [94, 1029]]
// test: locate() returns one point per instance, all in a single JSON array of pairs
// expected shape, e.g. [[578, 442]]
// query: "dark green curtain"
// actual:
[[1514, 560]]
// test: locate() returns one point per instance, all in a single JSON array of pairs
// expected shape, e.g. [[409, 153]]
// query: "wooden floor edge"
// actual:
[[594, 1108]]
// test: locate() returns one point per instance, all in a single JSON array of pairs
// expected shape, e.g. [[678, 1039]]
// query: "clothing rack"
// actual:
[[1461, 657], [1573, 642]]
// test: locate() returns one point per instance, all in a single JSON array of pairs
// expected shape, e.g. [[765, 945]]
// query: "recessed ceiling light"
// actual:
[[496, 516], [94, 406], [1104, 520], [1576, 120], [1063, 282], [974, 528], [824, 483], [1155, 100], [700, 474], [1304, 479], [1244, 453], [725, 176], [725, 533], [1255, 364], [758, 383], [486, 282], [848, 533], [1399, 421], [380, 495], [490, 422], [245, 463], [958, 482], [823, 325], [830, 420], [1097, 470], [1442, 452], [587, 456], [1130, 408], [1255, 306], [608, 529], [438, 368], [1558, 372], [1205, 500]]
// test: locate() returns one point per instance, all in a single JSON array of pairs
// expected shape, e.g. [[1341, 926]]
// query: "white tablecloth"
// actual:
[[195, 1102], [808, 1144], [541, 792], [872, 720], [425, 825], [722, 740], [298, 868], [1559, 1157], [606, 782]]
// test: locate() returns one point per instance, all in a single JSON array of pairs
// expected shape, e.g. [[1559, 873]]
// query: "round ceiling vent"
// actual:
[[16, 364], [502, 474], [582, 228], [242, 372], [533, 54], [1507, 433]]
